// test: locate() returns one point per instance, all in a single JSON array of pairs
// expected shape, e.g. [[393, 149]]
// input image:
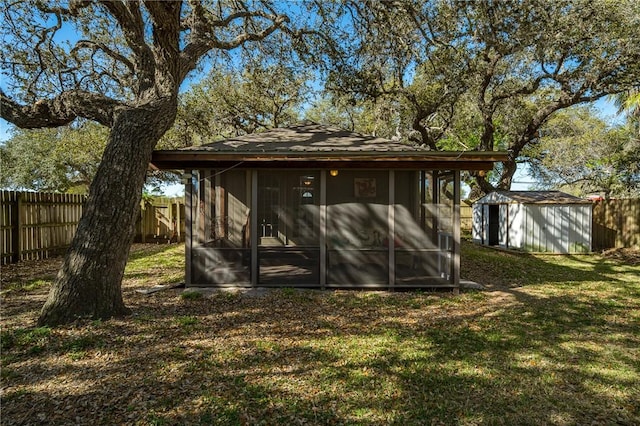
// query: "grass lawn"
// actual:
[[553, 340]]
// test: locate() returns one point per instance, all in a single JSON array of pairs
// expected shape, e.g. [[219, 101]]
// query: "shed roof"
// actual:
[[310, 144], [534, 197]]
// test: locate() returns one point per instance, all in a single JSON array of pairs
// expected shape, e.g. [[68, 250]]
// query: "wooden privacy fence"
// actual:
[[466, 217], [35, 225], [161, 220], [616, 224]]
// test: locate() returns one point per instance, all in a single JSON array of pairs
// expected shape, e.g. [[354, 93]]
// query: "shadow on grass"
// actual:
[[320, 358], [535, 354]]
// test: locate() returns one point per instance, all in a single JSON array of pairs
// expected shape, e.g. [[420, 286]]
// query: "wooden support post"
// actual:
[[456, 231], [41, 253], [16, 236], [170, 221], [391, 221], [423, 198], [180, 219], [188, 224], [142, 228], [219, 213], [175, 219], [323, 229], [254, 228], [205, 202]]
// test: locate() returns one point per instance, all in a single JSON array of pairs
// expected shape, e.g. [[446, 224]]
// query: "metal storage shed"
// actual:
[[535, 221]]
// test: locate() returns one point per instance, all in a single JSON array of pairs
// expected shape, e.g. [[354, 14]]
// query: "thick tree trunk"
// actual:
[[506, 177], [504, 183], [89, 283]]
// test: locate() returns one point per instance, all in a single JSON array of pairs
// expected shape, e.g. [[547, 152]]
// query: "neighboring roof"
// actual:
[[532, 197], [308, 144]]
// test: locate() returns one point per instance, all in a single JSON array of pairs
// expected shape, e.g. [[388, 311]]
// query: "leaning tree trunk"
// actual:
[[483, 186], [509, 168], [89, 283]]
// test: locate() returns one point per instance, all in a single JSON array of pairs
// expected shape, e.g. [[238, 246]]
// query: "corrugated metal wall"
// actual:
[[503, 231], [557, 228], [476, 231], [516, 231]]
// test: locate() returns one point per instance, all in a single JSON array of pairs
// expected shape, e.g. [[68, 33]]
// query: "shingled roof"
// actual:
[[315, 145], [307, 137]]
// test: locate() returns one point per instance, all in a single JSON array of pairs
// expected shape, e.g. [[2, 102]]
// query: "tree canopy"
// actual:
[[236, 100], [63, 159], [483, 75], [579, 152]]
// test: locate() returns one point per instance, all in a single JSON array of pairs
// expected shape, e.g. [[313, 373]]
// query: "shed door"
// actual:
[[494, 225]]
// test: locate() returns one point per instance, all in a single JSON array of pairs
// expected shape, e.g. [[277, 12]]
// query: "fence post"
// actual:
[[141, 228], [17, 229]]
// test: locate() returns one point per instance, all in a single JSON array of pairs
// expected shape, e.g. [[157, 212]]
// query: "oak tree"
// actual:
[[497, 70], [121, 64], [381, 117], [233, 100], [579, 152], [536, 58]]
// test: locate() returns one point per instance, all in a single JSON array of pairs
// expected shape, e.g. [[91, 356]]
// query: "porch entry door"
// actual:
[[494, 224], [268, 207], [288, 227]]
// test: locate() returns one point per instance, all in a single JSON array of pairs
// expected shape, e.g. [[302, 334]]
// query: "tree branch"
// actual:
[[129, 17], [203, 40], [94, 46], [59, 111]]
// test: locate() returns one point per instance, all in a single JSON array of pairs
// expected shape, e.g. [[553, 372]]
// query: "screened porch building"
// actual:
[[315, 206]]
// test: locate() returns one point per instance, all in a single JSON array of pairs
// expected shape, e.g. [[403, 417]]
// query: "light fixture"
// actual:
[[333, 173]]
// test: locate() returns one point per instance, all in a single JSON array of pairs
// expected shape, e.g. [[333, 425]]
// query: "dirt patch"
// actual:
[[630, 256], [23, 273]]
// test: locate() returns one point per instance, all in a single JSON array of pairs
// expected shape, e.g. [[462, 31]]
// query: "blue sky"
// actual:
[[4, 129]]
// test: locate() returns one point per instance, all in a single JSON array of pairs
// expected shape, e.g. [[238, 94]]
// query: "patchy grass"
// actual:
[[158, 264], [25, 338], [554, 340], [191, 295]]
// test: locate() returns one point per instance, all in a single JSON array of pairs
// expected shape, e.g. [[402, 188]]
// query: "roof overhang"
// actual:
[[531, 197], [442, 160]]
